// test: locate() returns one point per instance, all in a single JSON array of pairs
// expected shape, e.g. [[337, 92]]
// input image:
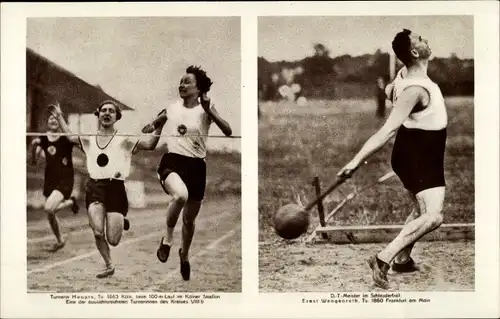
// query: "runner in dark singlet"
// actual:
[[59, 175]]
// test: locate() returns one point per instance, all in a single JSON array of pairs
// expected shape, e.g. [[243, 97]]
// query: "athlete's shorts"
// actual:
[[109, 192], [418, 158], [62, 184], [193, 172]]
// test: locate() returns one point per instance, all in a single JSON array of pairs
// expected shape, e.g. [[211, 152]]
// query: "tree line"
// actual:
[[323, 77]]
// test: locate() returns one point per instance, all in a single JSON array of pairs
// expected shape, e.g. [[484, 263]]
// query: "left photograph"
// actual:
[[133, 141]]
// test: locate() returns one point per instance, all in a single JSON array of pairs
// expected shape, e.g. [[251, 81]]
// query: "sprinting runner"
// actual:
[[182, 170], [108, 164], [419, 121], [59, 175]]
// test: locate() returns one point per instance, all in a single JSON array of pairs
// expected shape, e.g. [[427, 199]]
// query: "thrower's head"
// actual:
[[410, 47]]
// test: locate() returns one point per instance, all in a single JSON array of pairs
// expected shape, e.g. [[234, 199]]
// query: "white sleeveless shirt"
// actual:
[[194, 123], [434, 116], [109, 161]]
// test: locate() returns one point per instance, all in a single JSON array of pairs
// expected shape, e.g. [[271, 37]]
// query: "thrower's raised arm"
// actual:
[[401, 110]]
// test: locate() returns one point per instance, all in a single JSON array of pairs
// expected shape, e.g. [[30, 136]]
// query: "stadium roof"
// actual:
[[74, 94]]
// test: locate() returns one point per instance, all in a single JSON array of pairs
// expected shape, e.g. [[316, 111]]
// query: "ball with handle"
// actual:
[[292, 220]]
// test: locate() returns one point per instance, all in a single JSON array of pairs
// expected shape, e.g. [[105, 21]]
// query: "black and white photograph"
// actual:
[[133, 154], [238, 159], [366, 153]]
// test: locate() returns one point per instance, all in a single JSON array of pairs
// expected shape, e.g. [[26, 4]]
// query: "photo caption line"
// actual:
[[135, 298], [365, 298]]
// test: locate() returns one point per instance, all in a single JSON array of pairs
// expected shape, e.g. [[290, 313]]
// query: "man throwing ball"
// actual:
[[419, 121]]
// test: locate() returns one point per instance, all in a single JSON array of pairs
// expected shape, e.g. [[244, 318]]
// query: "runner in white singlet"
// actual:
[[108, 164], [182, 171]]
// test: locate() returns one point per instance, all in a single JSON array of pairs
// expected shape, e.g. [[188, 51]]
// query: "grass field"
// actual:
[[297, 143]]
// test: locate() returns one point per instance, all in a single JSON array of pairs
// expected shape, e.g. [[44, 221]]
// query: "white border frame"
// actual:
[[481, 303]]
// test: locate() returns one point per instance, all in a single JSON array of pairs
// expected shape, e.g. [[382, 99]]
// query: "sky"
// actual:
[[140, 61], [292, 38]]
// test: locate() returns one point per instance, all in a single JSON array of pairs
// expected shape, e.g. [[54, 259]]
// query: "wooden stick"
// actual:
[[386, 233], [321, 211], [345, 200]]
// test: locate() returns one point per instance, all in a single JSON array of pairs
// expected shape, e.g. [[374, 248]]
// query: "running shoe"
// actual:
[[379, 272], [74, 207], [163, 252], [185, 267], [406, 267], [107, 272]]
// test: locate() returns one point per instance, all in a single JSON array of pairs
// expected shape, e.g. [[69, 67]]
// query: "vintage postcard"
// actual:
[[250, 160]]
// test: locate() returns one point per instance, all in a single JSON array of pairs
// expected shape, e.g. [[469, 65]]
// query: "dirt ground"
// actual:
[[297, 267], [298, 143], [215, 254]]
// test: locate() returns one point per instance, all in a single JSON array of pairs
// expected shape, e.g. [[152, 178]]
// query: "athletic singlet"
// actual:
[[192, 122], [434, 116], [419, 148], [58, 156], [401, 73], [111, 160]]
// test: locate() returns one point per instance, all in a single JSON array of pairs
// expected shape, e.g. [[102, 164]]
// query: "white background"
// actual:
[[483, 303]]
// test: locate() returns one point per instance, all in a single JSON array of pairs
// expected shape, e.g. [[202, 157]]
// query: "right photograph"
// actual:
[[366, 153]]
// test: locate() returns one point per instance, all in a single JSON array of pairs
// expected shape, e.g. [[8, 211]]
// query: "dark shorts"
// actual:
[[63, 185], [109, 192], [193, 172], [418, 158]]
